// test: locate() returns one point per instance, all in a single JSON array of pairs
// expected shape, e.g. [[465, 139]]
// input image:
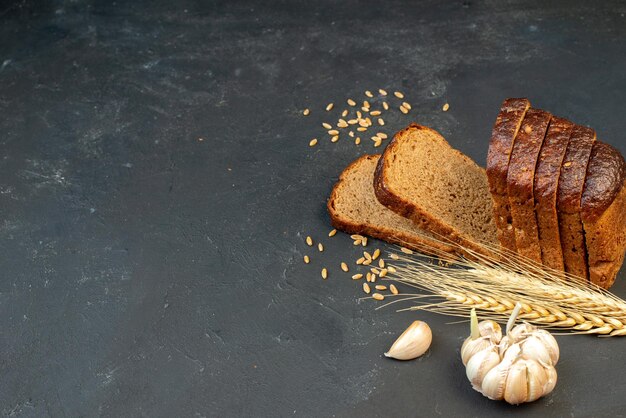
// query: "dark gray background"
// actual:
[[146, 273]]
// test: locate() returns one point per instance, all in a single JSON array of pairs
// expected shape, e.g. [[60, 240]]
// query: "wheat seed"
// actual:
[[309, 241], [381, 122], [351, 134], [334, 138], [407, 105], [344, 266], [398, 95], [361, 129], [366, 288], [367, 262], [391, 269], [357, 276], [324, 273], [406, 250], [329, 107], [360, 260], [333, 132], [306, 112], [367, 255], [364, 242], [368, 93], [375, 112], [313, 142], [307, 260], [332, 233], [382, 135], [380, 287], [385, 106], [376, 254], [382, 92], [404, 110], [394, 256], [327, 125], [381, 263], [445, 107], [383, 272], [357, 141], [320, 247], [378, 296], [351, 102], [393, 289]]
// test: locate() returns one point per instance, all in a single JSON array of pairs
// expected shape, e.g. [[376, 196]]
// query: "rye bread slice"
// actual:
[[547, 176], [421, 177], [520, 182], [569, 195], [354, 209], [603, 212], [503, 135]]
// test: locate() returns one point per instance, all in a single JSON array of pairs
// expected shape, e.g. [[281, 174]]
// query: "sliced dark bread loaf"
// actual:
[[421, 177], [353, 208], [505, 129], [603, 212], [520, 182], [547, 176], [569, 194]]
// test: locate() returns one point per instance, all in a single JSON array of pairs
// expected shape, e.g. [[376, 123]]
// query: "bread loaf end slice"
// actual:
[[520, 182], [354, 209], [505, 129], [603, 212], [569, 195], [421, 177], [547, 176]]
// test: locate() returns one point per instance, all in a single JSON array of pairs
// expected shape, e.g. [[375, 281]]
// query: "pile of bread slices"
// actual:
[[551, 193]]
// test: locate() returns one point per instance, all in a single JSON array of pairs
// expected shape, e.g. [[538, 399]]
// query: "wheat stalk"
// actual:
[[494, 283]]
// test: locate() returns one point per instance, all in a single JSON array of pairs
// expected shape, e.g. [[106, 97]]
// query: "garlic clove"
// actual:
[[521, 331], [537, 379], [412, 343], [491, 329], [533, 348], [550, 381], [493, 383], [516, 388], [471, 347], [480, 364], [550, 343]]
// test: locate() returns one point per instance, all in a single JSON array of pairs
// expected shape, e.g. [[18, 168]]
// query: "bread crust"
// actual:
[[547, 176], [421, 217], [520, 182], [505, 129], [569, 195], [415, 242], [603, 212]]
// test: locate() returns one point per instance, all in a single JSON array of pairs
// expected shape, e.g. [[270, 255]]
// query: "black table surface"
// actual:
[[156, 187]]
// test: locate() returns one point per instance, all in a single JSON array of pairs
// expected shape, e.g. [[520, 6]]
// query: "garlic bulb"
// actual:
[[412, 343], [518, 367]]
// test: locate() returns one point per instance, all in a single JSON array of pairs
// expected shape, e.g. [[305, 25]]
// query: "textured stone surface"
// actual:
[[147, 273]]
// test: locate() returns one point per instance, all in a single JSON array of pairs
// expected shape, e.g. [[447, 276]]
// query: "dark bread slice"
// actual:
[[421, 177], [353, 208], [547, 176], [505, 129], [520, 182], [603, 212], [569, 195]]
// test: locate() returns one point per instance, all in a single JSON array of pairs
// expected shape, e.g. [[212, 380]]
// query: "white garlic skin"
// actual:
[[412, 343], [517, 368]]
